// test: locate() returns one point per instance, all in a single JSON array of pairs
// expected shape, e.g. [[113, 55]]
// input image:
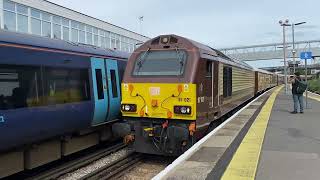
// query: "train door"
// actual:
[[113, 88], [208, 84], [99, 90]]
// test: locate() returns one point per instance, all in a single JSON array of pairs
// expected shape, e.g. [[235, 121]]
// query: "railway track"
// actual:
[[116, 169], [69, 167]]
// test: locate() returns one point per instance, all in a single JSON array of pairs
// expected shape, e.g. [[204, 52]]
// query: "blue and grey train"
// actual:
[[50, 88]]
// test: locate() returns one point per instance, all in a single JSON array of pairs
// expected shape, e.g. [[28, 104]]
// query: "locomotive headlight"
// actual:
[[182, 110], [129, 107]]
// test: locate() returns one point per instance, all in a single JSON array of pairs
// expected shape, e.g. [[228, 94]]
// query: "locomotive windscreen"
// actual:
[[160, 63]]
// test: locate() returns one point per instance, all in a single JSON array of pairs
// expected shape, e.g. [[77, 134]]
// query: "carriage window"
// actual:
[[19, 87], [65, 85], [160, 63], [114, 83], [227, 81]]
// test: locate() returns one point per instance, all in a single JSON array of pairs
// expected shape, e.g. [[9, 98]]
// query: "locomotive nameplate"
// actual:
[[154, 91]]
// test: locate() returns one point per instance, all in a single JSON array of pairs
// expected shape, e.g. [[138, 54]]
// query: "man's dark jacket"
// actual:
[[295, 86]]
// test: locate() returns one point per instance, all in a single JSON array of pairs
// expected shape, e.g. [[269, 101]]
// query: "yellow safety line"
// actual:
[[313, 96], [245, 161]]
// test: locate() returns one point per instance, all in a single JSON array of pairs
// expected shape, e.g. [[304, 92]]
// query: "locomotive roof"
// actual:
[[205, 51], [43, 42], [263, 71]]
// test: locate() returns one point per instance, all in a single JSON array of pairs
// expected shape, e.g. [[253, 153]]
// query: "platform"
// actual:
[[262, 141]]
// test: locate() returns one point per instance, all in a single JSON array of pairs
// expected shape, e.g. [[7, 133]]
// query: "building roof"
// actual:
[[96, 18]]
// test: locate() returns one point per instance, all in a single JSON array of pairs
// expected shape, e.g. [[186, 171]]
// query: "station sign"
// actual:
[[306, 55]]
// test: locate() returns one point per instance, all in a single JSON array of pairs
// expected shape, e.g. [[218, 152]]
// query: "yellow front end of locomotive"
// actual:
[[159, 100]]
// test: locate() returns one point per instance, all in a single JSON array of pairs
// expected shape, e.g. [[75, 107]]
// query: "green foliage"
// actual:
[[314, 85]]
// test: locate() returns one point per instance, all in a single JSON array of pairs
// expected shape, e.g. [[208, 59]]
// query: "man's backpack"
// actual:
[[301, 87]]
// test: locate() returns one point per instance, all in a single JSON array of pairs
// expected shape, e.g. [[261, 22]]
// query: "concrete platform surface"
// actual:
[[291, 148]]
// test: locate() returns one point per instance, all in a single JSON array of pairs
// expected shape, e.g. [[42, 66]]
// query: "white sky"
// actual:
[[220, 24]]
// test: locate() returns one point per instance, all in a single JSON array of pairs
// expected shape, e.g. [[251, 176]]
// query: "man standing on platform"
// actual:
[[297, 92]]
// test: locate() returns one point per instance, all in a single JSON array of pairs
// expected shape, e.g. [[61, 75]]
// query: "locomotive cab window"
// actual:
[[160, 63]]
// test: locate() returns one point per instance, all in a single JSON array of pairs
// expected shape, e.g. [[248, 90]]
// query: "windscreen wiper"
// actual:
[[180, 60], [142, 59]]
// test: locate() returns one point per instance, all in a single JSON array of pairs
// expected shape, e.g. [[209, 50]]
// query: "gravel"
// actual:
[[95, 165]]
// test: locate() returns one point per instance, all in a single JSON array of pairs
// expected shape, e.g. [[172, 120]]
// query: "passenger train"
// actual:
[[59, 97], [174, 89], [56, 98]]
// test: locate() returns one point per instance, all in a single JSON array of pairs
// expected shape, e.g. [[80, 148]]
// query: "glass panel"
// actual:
[[66, 86], [107, 42], [36, 26], [101, 32], [22, 23], [114, 83], [56, 19], [82, 26], [66, 33], [118, 44], [65, 22], [8, 5], [74, 24], [9, 21], [103, 42], [95, 30], [89, 28], [46, 29], [160, 63], [95, 38], [82, 37], [56, 31], [19, 87], [113, 43], [46, 16], [89, 38], [99, 84], [35, 13], [74, 35], [22, 9]]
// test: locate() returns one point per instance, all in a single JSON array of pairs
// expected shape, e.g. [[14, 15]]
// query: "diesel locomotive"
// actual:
[[56, 98], [174, 89]]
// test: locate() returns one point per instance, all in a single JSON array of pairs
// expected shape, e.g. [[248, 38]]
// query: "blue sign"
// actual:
[[1, 119], [306, 55]]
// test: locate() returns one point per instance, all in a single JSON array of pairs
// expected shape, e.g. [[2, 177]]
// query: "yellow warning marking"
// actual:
[[245, 161], [313, 96]]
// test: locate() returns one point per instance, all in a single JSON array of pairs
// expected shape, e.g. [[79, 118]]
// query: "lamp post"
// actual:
[[140, 23], [293, 45], [284, 24]]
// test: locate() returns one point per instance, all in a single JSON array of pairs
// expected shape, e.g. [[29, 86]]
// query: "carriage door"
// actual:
[[209, 83], [99, 90], [113, 88]]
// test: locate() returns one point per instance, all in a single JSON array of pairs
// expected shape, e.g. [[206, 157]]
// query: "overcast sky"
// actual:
[[223, 23]]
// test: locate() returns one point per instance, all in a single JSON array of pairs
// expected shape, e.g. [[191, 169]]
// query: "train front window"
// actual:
[[160, 63]]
